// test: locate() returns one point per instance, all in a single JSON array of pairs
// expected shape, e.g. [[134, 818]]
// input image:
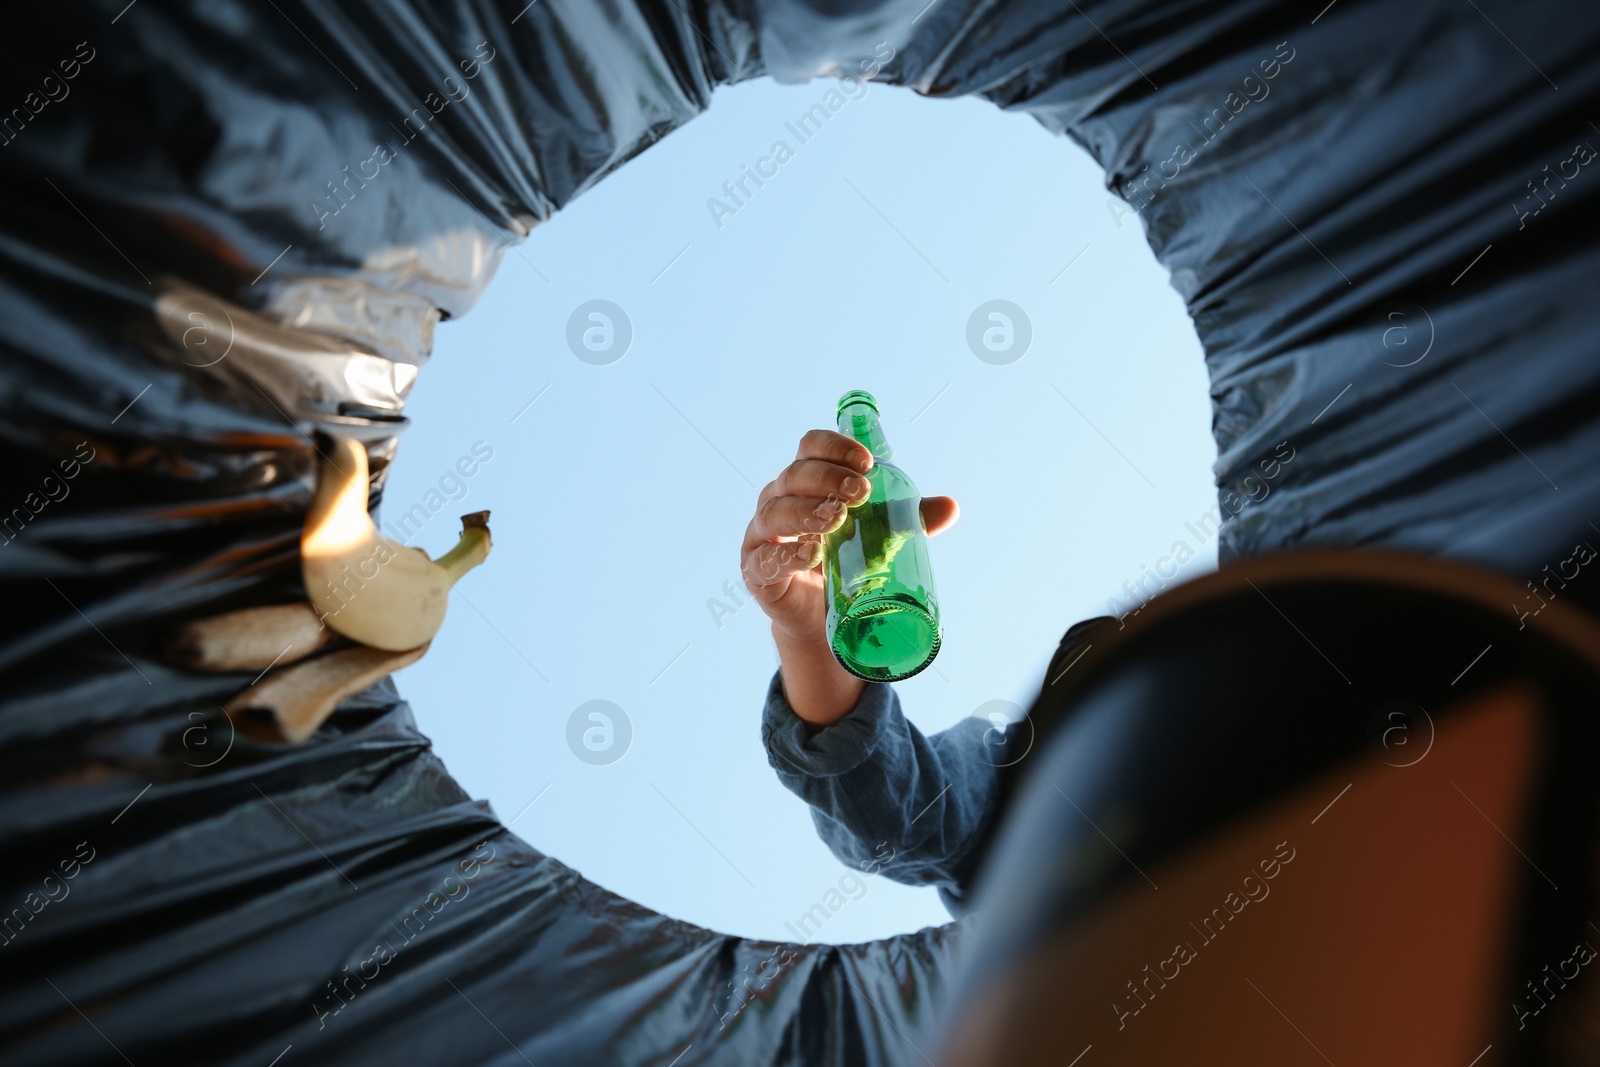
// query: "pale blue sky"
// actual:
[[620, 496]]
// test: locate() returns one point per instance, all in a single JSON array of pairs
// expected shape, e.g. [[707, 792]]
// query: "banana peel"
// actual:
[[360, 584], [365, 585], [251, 639], [294, 702]]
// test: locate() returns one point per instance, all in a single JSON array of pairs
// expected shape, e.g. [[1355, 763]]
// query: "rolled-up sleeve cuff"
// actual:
[[834, 750]]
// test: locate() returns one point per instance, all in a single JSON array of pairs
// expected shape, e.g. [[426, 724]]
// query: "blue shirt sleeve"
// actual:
[[885, 798], [888, 799]]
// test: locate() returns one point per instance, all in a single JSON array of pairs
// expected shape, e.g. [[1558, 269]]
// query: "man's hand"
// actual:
[[780, 556]]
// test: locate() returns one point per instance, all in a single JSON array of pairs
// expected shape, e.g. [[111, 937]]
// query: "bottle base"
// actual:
[[887, 639]]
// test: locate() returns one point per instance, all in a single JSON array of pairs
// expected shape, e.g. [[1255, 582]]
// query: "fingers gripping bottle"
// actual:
[[883, 613]]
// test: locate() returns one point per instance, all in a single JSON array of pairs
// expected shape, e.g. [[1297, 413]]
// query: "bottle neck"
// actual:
[[860, 421]]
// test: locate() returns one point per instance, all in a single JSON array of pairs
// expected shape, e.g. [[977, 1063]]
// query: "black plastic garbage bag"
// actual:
[[232, 224]]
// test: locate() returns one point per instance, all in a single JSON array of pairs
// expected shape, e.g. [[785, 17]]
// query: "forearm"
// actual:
[[819, 690], [884, 796]]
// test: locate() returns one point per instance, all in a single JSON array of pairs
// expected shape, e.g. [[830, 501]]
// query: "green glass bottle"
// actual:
[[883, 614]]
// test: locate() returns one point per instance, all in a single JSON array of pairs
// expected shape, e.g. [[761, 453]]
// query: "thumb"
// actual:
[[939, 513]]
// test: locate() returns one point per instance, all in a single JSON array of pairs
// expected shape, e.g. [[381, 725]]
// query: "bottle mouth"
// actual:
[[856, 396]]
